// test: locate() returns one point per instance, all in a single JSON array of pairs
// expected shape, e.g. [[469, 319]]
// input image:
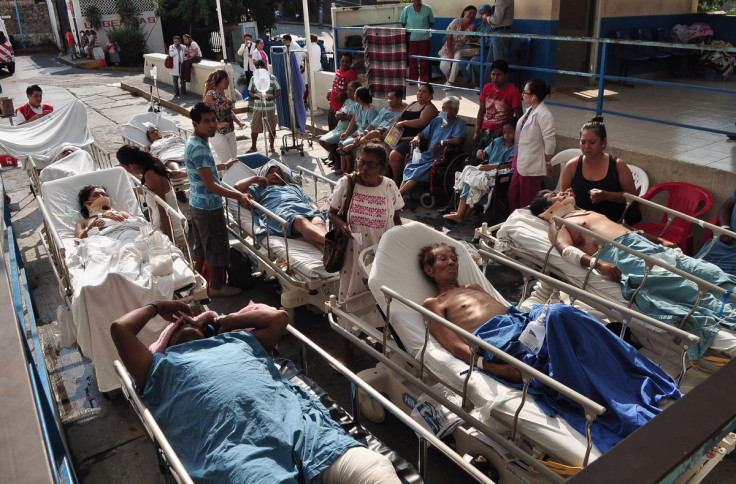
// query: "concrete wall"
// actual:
[[200, 71], [624, 8], [35, 22]]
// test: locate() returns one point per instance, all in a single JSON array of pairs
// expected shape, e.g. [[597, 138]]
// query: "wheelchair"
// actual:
[[442, 175]]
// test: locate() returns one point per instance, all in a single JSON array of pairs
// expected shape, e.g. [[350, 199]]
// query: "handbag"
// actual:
[[169, 62], [393, 136], [336, 242]]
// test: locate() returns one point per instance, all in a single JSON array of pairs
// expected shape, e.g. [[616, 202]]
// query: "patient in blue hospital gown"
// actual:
[[723, 251], [664, 295], [288, 201], [228, 413], [578, 352]]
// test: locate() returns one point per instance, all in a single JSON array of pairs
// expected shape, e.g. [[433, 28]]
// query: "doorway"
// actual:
[[576, 20]]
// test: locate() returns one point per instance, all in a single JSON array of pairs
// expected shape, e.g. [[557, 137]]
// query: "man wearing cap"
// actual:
[[499, 100]]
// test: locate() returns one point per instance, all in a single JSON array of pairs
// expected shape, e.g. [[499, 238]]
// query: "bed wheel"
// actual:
[[283, 151], [301, 153], [371, 409], [427, 200]]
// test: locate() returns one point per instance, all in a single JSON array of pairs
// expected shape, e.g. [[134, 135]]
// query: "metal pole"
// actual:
[[308, 44], [20, 27], [222, 31]]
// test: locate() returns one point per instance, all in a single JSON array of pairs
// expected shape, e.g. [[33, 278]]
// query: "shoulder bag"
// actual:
[[336, 242]]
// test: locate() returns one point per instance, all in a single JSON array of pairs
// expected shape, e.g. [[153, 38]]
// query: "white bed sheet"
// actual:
[[67, 124], [107, 274], [396, 265], [73, 164], [304, 258], [528, 233], [136, 129]]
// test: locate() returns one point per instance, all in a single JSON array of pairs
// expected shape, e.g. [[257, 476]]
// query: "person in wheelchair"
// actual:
[[473, 182], [443, 133]]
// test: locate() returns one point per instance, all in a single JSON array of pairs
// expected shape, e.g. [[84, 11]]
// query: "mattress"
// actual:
[[303, 257], [527, 234], [396, 266]]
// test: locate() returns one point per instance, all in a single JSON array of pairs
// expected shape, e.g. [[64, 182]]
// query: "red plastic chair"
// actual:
[[686, 198]]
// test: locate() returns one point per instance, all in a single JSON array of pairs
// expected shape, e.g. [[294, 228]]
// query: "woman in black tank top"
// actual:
[[413, 120], [599, 180]]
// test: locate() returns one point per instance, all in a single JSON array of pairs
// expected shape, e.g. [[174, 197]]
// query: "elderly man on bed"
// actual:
[[288, 201], [664, 295], [578, 351], [250, 423]]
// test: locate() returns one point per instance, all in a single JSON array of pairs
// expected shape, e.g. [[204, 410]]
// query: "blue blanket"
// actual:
[[232, 417], [288, 202], [296, 92], [667, 296], [582, 354]]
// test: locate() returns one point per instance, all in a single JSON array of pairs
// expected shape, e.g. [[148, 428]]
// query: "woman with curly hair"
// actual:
[[224, 142]]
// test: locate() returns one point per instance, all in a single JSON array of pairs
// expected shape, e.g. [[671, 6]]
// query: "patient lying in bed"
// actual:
[[578, 351], [251, 425], [289, 202], [664, 295], [96, 208]]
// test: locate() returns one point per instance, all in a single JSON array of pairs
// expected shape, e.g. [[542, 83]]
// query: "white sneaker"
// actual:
[[225, 291]]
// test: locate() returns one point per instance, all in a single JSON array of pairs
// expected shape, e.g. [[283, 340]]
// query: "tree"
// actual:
[[204, 12], [728, 6]]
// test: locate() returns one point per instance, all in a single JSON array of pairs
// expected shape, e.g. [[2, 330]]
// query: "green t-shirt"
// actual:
[[417, 20]]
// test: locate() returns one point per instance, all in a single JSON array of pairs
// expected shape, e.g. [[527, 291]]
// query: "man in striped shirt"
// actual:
[[264, 108]]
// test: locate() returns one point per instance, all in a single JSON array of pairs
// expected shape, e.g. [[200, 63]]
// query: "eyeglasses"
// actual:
[[527, 93], [372, 164]]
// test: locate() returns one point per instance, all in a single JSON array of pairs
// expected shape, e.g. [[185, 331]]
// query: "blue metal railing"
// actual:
[[57, 452], [601, 75]]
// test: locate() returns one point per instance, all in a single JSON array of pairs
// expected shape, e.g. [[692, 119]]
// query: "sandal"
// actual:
[[252, 150]]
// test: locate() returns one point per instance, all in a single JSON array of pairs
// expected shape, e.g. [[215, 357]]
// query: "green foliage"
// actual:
[[93, 15], [132, 44], [129, 13], [705, 6], [204, 12]]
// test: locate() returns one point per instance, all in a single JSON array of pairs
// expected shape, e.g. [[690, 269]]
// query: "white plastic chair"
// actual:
[[563, 157], [641, 180]]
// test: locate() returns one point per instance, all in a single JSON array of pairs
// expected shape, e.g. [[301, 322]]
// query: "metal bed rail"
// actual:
[[390, 351], [243, 235], [424, 435]]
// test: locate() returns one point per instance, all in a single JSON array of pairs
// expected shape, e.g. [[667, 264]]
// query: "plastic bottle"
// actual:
[[416, 155], [533, 335]]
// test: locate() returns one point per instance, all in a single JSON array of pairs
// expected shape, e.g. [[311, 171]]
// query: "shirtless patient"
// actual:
[[469, 307], [578, 352], [562, 204]]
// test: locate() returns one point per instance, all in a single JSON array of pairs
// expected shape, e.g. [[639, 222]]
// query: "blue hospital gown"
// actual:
[[722, 255], [434, 132], [232, 417], [584, 355], [288, 202], [668, 297]]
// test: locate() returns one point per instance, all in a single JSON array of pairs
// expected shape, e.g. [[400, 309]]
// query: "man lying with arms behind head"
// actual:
[[251, 425], [578, 351], [664, 295]]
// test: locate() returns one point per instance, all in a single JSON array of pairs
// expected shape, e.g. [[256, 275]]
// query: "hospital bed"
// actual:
[[135, 132], [295, 263], [82, 159], [512, 435], [89, 273], [170, 463], [524, 236]]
